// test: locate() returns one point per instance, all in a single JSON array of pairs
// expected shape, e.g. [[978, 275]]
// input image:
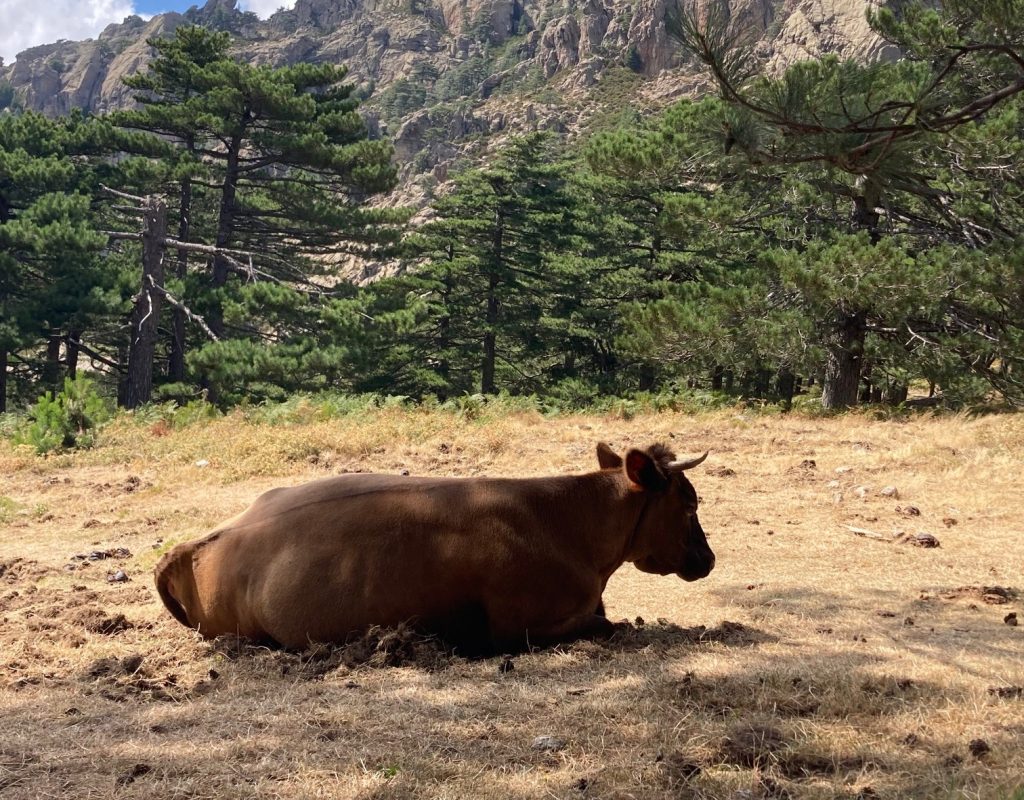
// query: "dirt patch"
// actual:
[[639, 634], [128, 485], [16, 570], [127, 678], [131, 775], [96, 621], [992, 595], [378, 647], [679, 767]]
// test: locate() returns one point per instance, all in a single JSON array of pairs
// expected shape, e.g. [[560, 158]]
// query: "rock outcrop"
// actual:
[[470, 70]]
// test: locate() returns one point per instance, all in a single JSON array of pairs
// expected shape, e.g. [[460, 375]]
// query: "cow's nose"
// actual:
[[698, 567]]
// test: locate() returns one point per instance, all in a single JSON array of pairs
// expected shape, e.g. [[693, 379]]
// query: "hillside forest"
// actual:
[[840, 233]]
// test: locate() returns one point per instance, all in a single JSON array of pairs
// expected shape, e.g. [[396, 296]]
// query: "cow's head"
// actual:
[[668, 537]]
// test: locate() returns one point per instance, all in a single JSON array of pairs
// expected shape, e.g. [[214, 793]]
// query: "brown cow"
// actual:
[[487, 563]]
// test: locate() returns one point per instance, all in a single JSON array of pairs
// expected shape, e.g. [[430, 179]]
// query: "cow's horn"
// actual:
[[679, 466]]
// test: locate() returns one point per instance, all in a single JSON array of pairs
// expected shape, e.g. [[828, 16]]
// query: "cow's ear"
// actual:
[[607, 458], [644, 472]]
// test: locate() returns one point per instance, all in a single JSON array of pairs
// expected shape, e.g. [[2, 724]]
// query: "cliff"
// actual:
[[445, 78]]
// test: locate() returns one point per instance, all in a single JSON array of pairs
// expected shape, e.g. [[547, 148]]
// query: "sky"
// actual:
[[27, 23]]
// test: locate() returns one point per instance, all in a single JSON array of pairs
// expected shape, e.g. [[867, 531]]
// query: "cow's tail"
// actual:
[[174, 579]]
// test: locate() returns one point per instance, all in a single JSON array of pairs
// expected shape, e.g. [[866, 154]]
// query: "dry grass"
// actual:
[[846, 667]]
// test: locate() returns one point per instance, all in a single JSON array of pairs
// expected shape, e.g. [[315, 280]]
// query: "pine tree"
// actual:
[[164, 92], [489, 272], [879, 135], [53, 281], [279, 170]]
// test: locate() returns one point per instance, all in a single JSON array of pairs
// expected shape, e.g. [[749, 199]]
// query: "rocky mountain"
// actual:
[[444, 78]]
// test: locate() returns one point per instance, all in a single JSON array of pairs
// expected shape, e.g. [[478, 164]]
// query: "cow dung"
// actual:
[[135, 772], [95, 621]]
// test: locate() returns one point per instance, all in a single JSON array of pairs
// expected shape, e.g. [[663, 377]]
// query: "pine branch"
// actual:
[[174, 301], [123, 195], [94, 355], [136, 237]]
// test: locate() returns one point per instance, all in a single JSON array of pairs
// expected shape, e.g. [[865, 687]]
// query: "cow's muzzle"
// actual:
[[697, 567]]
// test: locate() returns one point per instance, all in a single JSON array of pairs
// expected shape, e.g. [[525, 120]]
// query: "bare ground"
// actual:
[[814, 662]]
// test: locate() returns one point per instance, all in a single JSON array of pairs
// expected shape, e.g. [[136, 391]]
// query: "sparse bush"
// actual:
[[192, 412], [633, 59], [8, 508], [67, 420], [469, 406]]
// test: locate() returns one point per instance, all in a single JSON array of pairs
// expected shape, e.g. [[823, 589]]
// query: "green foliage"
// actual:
[[274, 163], [67, 420], [6, 94], [855, 225], [463, 79], [8, 509], [400, 99], [634, 60], [481, 308], [53, 276]]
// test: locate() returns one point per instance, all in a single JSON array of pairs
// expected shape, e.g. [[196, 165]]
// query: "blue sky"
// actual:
[[159, 6]]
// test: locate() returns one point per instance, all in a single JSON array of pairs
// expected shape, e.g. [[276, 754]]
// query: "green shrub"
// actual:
[[8, 509], [67, 420]]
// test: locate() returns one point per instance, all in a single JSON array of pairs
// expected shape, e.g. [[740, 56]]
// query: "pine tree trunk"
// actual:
[[176, 359], [225, 228], [866, 386], [785, 385], [487, 385], [843, 363], [3, 381], [122, 376], [145, 319], [894, 393], [490, 344], [71, 343], [51, 369]]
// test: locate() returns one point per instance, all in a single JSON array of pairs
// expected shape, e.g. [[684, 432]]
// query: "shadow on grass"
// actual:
[[626, 725]]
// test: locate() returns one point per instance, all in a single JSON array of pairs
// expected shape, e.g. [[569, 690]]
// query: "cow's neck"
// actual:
[[613, 522]]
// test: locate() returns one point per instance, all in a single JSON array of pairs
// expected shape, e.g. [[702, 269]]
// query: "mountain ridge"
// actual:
[[445, 78]]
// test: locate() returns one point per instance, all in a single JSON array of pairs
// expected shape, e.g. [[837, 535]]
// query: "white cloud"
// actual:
[[27, 23], [264, 8]]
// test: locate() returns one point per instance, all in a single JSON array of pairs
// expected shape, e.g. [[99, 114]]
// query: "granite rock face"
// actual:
[[476, 70]]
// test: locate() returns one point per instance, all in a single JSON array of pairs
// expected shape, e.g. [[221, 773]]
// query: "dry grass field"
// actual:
[[812, 663]]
